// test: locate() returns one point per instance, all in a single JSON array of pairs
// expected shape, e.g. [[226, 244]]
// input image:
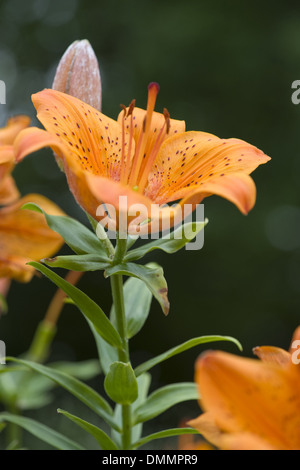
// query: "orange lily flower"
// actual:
[[25, 236], [8, 189], [144, 155], [250, 404]]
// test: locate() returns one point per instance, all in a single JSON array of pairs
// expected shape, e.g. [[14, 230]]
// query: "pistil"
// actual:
[[153, 90]]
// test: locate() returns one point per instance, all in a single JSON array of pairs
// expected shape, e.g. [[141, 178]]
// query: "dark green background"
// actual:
[[225, 67]]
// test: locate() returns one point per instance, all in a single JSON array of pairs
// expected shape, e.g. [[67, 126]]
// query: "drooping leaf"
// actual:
[[120, 383], [86, 305], [163, 399], [169, 243], [181, 348], [78, 237], [104, 441], [42, 432], [152, 275], [81, 263], [77, 388]]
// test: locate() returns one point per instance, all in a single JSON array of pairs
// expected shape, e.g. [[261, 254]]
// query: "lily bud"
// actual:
[[78, 74]]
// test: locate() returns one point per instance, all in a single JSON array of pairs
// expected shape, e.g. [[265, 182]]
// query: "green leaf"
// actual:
[[162, 435], [104, 441], [81, 263], [2, 426], [181, 348], [35, 388], [107, 354], [152, 275], [83, 370], [120, 383], [169, 243], [86, 305], [163, 399], [80, 390], [144, 382], [79, 238], [42, 432], [137, 299]]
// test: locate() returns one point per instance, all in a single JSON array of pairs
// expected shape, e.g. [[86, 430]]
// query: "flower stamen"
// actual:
[[153, 90], [150, 159]]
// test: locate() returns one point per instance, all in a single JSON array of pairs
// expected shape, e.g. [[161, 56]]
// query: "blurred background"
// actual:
[[225, 68]]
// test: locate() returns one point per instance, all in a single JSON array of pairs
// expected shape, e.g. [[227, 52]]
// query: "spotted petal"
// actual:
[[194, 162], [93, 140]]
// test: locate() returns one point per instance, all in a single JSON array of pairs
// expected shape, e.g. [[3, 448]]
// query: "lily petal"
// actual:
[[7, 160], [93, 139], [206, 426], [273, 355], [25, 236], [237, 188], [245, 395], [13, 127], [193, 159], [8, 191]]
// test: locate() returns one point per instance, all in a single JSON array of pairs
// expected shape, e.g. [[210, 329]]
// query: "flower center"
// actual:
[[136, 173]]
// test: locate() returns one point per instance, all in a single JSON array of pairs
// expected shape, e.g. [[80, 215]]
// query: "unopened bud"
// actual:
[[78, 74]]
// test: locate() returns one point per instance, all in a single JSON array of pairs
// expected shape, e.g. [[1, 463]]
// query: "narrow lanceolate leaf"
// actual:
[[181, 348], [169, 243], [80, 263], [152, 275], [120, 383], [137, 299], [163, 399], [42, 432], [144, 382], [163, 435], [104, 441], [77, 388], [83, 370], [79, 238], [107, 353], [86, 305]]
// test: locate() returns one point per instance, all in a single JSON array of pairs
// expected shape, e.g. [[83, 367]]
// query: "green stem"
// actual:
[[14, 432], [118, 299]]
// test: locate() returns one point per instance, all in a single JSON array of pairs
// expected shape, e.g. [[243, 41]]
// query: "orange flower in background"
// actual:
[[250, 404], [24, 235], [144, 155], [8, 189]]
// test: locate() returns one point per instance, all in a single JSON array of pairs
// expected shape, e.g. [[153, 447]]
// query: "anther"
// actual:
[[131, 108]]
